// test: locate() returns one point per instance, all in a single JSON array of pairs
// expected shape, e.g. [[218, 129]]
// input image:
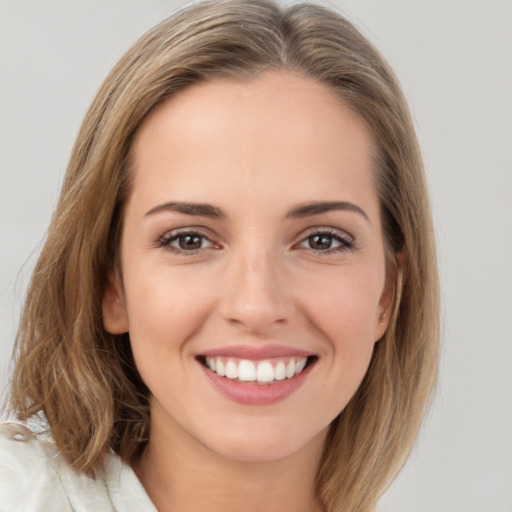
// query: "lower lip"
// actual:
[[253, 393]]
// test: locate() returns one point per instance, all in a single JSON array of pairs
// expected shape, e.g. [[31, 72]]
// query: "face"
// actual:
[[253, 278]]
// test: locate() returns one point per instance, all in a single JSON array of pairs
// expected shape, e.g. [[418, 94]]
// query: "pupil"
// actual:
[[320, 241], [190, 242]]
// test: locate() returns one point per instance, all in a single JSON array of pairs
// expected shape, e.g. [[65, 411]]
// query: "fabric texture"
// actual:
[[35, 478]]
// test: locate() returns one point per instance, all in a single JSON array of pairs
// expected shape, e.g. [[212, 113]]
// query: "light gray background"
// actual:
[[454, 59]]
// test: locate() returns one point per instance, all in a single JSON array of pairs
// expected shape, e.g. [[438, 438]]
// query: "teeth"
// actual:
[[290, 369], [231, 370], [262, 372], [220, 368], [265, 372], [247, 371], [300, 366], [280, 371]]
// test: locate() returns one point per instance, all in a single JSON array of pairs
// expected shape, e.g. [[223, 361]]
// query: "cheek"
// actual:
[[164, 310], [346, 302], [345, 315]]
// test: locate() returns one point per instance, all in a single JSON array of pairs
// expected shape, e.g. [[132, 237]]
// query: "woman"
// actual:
[[236, 304]]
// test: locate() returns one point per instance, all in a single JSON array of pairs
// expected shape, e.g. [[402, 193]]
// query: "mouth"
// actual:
[[261, 372]]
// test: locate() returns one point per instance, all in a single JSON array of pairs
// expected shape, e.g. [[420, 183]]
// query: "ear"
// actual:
[[390, 294], [115, 319]]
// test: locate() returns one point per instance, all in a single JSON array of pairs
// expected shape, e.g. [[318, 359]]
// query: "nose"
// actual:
[[256, 297]]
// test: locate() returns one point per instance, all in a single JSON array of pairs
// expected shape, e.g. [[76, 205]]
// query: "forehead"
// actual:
[[277, 134]]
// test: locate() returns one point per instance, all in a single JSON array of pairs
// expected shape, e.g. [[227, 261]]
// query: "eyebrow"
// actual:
[[317, 208], [195, 209], [299, 212]]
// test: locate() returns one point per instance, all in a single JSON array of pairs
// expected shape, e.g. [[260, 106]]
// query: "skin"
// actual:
[[256, 150]]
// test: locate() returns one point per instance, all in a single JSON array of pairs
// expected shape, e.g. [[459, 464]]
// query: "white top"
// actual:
[[35, 478]]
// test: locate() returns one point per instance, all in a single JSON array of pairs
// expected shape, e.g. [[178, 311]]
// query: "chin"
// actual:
[[264, 444]]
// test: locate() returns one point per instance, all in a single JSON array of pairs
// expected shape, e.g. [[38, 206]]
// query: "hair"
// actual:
[[84, 379]]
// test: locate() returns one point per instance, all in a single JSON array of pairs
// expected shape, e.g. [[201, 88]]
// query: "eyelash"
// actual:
[[166, 240], [346, 242]]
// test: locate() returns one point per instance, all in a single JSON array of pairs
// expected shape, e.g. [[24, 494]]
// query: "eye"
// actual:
[[327, 241], [185, 241]]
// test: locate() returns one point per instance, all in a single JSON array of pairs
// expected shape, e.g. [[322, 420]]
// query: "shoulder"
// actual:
[[34, 477], [27, 470]]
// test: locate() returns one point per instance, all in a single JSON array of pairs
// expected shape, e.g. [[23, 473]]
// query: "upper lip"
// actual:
[[255, 352]]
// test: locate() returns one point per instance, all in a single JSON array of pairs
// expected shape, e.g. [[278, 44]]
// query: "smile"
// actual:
[[256, 375], [265, 371]]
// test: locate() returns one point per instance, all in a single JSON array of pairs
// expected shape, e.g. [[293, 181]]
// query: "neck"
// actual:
[[178, 473]]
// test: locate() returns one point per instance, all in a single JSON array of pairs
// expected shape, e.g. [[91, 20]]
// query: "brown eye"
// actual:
[[327, 241], [186, 241], [320, 242], [190, 242]]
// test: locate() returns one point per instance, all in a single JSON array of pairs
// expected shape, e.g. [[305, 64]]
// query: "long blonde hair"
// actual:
[[84, 379]]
